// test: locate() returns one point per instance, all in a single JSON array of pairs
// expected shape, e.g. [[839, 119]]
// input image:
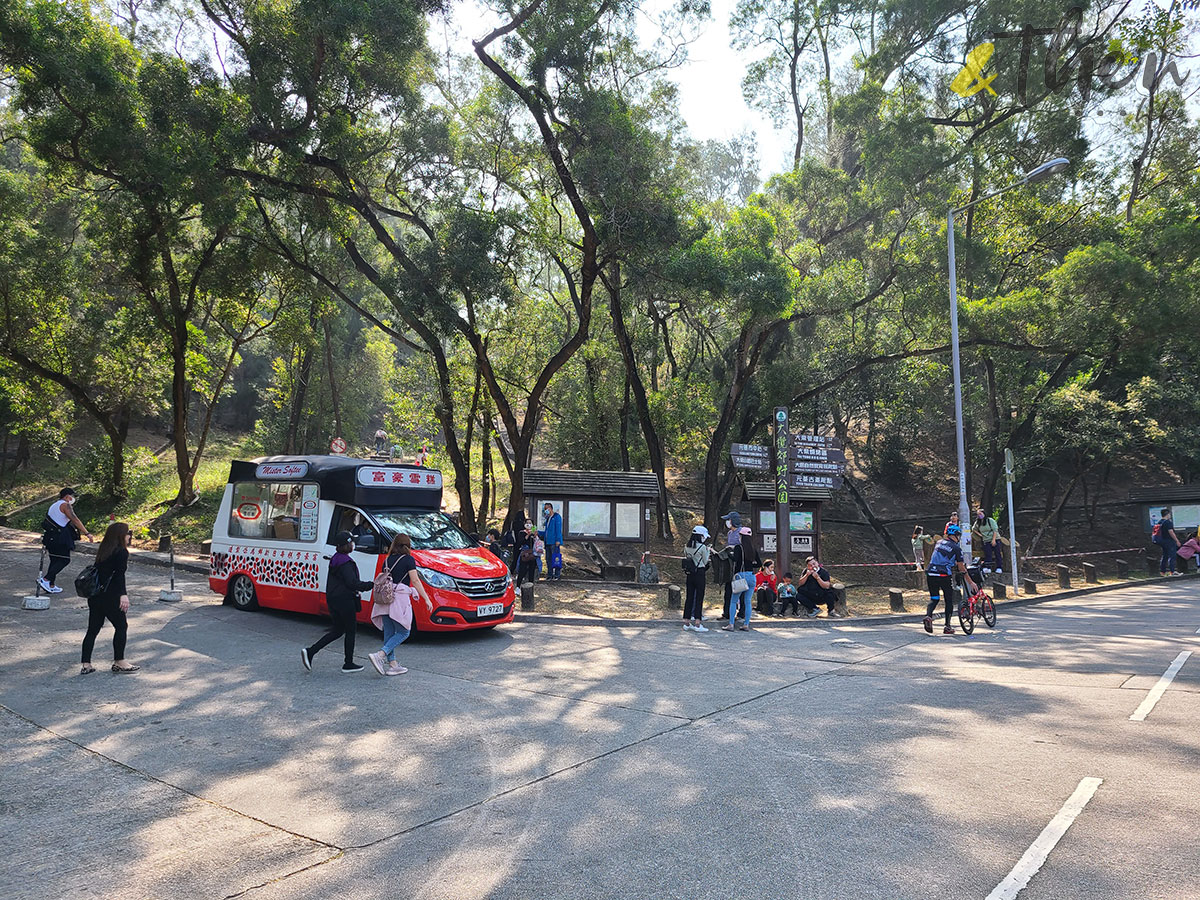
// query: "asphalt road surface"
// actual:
[[543, 761]]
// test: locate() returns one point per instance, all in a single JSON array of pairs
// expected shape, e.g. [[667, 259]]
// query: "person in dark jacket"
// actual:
[[111, 601], [60, 529], [341, 596]]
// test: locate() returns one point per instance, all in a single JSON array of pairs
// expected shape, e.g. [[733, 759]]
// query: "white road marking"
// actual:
[[1198, 631], [1035, 857], [1143, 710]]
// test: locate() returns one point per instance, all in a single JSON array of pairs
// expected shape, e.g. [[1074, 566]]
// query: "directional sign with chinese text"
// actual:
[[816, 468], [829, 482], [816, 440], [817, 454], [754, 457]]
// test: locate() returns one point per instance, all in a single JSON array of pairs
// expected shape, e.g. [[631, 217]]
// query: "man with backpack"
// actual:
[[989, 536], [1164, 535]]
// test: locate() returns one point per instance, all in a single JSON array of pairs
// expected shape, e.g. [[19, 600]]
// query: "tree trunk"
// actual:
[[625, 466], [333, 391], [291, 440], [876, 524], [640, 401], [179, 418]]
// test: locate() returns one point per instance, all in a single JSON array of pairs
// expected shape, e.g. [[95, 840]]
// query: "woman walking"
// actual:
[[60, 530], [696, 557], [744, 563], [341, 596], [111, 600], [395, 618]]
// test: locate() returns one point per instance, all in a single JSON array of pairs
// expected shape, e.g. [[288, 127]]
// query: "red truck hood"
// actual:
[[477, 562]]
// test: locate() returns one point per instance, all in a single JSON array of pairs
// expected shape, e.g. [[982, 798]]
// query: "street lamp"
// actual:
[[1033, 176]]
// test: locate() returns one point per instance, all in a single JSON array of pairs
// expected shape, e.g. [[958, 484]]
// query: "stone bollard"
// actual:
[[1064, 576], [999, 590], [1029, 586], [674, 597], [37, 600], [1089, 573], [1122, 569], [839, 605], [896, 599], [1152, 565], [164, 543], [527, 601]]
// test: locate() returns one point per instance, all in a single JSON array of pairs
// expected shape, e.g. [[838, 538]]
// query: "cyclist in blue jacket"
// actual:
[[947, 558]]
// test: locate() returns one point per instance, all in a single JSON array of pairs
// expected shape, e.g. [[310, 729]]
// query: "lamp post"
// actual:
[[1041, 173]]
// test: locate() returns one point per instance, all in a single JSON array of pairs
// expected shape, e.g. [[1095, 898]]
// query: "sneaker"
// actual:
[[395, 669], [349, 668], [700, 628], [928, 623], [728, 628], [743, 628], [305, 658], [812, 613], [48, 587], [949, 629], [377, 660], [688, 626]]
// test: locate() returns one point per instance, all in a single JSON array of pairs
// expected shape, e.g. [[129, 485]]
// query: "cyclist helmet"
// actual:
[[953, 531]]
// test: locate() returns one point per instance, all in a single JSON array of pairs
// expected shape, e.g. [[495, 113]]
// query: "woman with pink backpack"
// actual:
[[391, 611]]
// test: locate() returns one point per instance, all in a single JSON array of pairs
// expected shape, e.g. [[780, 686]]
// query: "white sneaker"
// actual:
[[395, 669], [687, 626], [700, 628], [377, 660], [48, 587]]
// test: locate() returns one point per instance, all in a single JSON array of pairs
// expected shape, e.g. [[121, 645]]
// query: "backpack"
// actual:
[[689, 565], [383, 590], [87, 582], [1156, 534]]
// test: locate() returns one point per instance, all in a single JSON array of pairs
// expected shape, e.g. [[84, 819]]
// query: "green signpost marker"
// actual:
[[783, 518]]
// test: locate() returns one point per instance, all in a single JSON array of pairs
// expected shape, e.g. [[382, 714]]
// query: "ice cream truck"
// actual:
[[273, 538]]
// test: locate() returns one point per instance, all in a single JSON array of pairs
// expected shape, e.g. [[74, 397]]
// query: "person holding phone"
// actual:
[[816, 588]]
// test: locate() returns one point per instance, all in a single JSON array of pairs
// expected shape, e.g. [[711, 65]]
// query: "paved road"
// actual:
[[585, 762]]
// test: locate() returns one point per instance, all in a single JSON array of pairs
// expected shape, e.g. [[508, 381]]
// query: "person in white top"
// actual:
[[60, 529]]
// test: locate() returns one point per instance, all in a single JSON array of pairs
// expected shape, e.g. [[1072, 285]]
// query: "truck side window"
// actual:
[[266, 510], [351, 520]]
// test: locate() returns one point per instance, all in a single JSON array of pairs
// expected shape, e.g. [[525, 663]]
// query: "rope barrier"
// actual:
[[1088, 553]]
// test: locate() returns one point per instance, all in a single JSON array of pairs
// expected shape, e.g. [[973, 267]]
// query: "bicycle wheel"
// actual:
[[966, 616], [988, 609]]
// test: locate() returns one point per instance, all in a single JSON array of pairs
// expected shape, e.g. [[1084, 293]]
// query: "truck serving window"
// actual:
[[273, 511], [428, 530]]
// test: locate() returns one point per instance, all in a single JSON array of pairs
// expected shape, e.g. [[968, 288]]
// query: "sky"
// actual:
[[710, 93]]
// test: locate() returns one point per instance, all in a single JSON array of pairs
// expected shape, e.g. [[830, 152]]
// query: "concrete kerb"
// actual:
[[908, 618]]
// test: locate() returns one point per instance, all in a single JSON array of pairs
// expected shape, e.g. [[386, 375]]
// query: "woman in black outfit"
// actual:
[[112, 601], [341, 596]]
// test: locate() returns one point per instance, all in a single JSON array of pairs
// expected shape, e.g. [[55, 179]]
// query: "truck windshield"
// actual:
[[428, 530]]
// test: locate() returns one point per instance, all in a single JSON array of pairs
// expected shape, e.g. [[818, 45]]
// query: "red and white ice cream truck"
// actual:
[[273, 538]]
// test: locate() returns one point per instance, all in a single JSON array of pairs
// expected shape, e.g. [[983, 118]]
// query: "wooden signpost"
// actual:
[[796, 461]]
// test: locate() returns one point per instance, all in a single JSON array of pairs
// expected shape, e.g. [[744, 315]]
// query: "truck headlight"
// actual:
[[436, 579]]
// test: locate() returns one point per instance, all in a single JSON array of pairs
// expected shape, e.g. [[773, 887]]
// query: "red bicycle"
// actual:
[[978, 604]]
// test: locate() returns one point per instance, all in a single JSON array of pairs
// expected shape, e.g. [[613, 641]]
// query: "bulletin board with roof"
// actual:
[[1182, 499], [805, 511], [594, 505]]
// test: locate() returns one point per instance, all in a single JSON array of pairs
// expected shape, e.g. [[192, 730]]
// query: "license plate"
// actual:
[[490, 609]]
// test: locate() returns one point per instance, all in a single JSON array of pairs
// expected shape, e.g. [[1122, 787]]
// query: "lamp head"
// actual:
[[1046, 169]]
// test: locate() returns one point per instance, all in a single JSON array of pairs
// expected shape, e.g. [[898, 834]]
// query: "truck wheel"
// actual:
[[241, 593]]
